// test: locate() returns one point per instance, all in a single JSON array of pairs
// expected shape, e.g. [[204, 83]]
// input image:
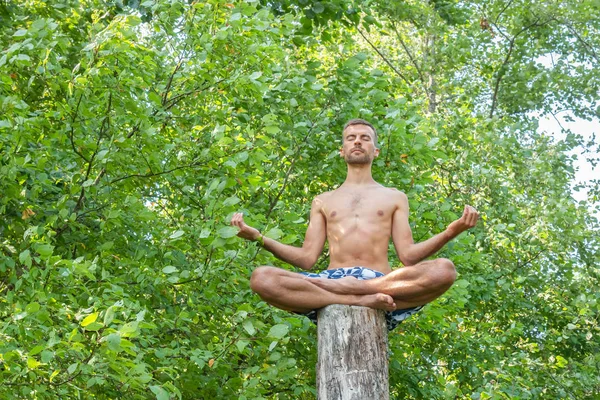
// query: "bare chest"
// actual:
[[358, 205]]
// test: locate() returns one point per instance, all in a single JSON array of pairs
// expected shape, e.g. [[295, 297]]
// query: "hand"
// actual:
[[246, 232], [467, 221]]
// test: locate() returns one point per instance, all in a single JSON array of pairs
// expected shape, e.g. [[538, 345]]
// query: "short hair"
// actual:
[[358, 121]]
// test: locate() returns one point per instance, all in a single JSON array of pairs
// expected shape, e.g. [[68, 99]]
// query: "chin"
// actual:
[[361, 160]]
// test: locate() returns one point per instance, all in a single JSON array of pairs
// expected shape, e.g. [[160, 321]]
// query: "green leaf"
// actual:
[[318, 8], [25, 258], [273, 345], [89, 319], [114, 341], [227, 231], [272, 129], [47, 356], [32, 308], [94, 326], [230, 201], [169, 269], [72, 368], [561, 362], [161, 394], [241, 345], [249, 327], [36, 350], [129, 329], [274, 233], [32, 363], [44, 250], [278, 331], [176, 234]]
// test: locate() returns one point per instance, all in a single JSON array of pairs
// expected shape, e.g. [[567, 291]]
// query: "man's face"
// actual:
[[358, 146]]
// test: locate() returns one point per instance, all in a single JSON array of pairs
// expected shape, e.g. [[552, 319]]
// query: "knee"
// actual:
[[445, 272], [263, 281]]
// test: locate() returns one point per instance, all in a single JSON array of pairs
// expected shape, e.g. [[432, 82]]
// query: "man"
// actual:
[[358, 219]]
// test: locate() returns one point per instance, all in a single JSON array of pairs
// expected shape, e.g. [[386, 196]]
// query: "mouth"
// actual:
[[359, 150]]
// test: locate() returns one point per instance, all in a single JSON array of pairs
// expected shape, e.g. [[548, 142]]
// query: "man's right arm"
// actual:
[[304, 257]]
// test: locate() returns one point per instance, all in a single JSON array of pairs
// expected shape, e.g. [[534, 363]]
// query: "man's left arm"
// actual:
[[411, 253]]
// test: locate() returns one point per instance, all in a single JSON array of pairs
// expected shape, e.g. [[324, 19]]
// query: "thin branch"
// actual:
[[501, 72], [385, 59], [585, 44], [412, 59], [501, 11], [289, 171], [150, 175], [176, 99], [166, 94], [557, 121], [202, 273], [72, 133], [502, 69]]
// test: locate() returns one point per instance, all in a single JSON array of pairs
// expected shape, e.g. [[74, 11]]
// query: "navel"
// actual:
[[380, 213]]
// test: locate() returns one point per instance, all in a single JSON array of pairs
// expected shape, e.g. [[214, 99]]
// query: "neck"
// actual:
[[359, 174]]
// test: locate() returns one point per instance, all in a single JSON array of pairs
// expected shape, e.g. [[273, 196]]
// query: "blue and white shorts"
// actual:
[[392, 318]]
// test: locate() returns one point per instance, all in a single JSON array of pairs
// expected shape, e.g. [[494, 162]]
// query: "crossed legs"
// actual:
[[403, 288]]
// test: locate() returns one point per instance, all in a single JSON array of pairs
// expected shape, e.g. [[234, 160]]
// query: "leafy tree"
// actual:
[[131, 131]]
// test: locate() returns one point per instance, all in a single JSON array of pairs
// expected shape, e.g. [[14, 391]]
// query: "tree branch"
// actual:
[[384, 58], [508, 3], [166, 94], [412, 59], [502, 69], [586, 45], [72, 133], [150, 175], [103, 128]]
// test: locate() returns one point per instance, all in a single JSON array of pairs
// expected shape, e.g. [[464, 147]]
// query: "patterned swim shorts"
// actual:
[[392, 318]]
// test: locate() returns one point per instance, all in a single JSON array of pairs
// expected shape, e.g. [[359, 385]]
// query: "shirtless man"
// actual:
[[358, 219]]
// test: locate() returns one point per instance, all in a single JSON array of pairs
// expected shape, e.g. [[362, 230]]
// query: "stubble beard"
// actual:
[[358, 159]]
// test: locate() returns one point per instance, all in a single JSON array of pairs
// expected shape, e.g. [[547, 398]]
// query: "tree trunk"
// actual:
[[353, 360]]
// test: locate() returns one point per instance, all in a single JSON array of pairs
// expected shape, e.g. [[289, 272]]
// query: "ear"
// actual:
[[376, 152], [342, 152]]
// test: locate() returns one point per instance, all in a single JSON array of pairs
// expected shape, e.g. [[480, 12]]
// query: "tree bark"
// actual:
[[353, 361]]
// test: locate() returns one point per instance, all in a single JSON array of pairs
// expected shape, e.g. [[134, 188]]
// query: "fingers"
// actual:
[[471, 216], [237, 220]]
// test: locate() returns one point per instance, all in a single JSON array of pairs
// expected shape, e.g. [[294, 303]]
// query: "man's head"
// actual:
[[359, 142]]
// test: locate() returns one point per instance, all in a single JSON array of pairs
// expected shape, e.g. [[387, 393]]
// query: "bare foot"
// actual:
[[379, 301], [346, 285]]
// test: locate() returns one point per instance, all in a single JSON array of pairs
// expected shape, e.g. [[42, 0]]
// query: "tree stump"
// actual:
[[353, 361]]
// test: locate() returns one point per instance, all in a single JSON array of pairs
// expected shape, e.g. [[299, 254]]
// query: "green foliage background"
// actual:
[[131, 131]]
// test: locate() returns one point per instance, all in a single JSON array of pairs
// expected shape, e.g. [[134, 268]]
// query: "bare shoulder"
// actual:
[[395, 194], [320, 200], [398, 198]]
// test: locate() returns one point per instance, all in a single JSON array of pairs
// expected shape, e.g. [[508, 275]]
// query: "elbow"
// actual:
[[408, 256], [307, 263], [407, 260]]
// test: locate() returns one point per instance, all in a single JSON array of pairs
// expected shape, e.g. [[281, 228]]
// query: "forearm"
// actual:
[[419, 251], [295, 256]]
